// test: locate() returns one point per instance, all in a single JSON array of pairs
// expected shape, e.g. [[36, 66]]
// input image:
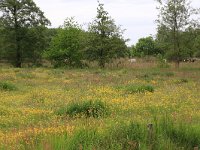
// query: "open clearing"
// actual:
[[149, 108]]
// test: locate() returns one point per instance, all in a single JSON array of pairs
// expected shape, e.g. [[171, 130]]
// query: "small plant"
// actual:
[[7, 86], [144, 76], [25, 75], [93, 109], [131, 89], [169, 74], [182, 81], [162, 61]]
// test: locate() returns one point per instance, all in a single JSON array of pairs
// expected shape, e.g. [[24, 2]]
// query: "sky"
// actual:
[[136, 16]]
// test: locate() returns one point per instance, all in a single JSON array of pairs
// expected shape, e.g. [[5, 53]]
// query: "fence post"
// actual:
[[196, 148]]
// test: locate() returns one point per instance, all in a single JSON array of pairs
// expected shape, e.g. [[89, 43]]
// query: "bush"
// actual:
[[66, 48], [94, 109], [139, 89], [162, 62], [7, 86]]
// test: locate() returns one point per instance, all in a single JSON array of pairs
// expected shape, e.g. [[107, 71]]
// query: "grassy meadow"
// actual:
[[142, 107]]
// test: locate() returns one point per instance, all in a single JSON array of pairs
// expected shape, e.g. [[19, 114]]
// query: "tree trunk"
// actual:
[[177, 64], [102, 59]]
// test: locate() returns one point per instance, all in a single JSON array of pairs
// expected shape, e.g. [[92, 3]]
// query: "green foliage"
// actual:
[[169, 74], [174, 19], [131, 89], [184, 134], [32, 51], [17, 17], [146, 46], [7, 86], [94, 109], [162, 62], [164, 134], [125, 136], [66, 48], [105, 41], [196, 45]]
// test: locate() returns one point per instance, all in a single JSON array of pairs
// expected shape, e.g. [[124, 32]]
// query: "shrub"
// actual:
[[139, 89], [162, 62], [94, 109], [7, 86]]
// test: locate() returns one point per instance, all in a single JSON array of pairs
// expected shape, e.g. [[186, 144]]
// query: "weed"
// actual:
[[182, 81], [94, 109], [183, 134], [7, 86], [169, 74], [131, 89]]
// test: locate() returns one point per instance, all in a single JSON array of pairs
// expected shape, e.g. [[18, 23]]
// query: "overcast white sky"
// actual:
[[136, 16]]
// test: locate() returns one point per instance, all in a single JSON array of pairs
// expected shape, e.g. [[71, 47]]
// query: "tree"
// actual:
[[105, 39], [1, 39], [18, 16], [67, 47], [175, 17], [146, 47], [33, 50], [196, 45]]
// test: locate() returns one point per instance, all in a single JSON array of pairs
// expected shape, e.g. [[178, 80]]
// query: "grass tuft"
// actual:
[[93, 109], [7, 86], [131, 89]]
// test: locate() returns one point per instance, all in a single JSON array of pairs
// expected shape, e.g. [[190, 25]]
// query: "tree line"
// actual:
[[25, 36]]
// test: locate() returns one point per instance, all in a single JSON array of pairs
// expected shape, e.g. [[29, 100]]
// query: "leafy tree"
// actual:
[[196, 45], [18, 16], [191, 41], [67, 47], [147, 46], [175, 17], [105, 39], [1, 40], [132, 51], [33, 50]]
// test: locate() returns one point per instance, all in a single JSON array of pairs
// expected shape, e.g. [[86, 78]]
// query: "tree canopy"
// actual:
[[174, 18], [66, 48], [105, 41], [17, 17]]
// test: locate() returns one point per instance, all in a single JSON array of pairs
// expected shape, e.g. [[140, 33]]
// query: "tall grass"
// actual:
[[93, 109], [7, 86]]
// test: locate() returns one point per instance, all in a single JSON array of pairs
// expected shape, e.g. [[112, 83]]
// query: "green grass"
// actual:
[[131, 89], [135, 136], [7, 86], [94, 109], [100, 109]]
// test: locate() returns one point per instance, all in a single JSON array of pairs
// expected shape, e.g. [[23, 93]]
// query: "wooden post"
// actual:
[[196, 148]]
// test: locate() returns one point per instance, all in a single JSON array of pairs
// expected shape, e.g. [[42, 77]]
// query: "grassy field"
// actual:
[[137, 108]]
